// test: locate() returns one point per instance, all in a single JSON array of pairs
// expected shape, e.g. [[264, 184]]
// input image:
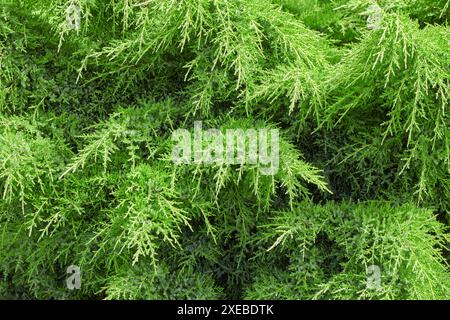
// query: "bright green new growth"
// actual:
[[330, 248], [87, 177], [401, 74]]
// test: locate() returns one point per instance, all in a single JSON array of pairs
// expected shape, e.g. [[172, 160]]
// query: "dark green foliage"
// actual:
[[87, 178]]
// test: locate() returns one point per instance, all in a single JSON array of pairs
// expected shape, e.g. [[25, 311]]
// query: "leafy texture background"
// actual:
[[86, 118]]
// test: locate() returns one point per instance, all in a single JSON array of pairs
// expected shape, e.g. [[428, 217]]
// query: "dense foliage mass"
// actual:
[[359, 90]]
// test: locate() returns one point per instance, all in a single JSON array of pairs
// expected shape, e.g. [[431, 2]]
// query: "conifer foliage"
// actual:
[[92, 92]]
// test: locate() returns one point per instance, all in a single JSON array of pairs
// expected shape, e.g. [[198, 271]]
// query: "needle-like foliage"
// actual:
[[93, 92]]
